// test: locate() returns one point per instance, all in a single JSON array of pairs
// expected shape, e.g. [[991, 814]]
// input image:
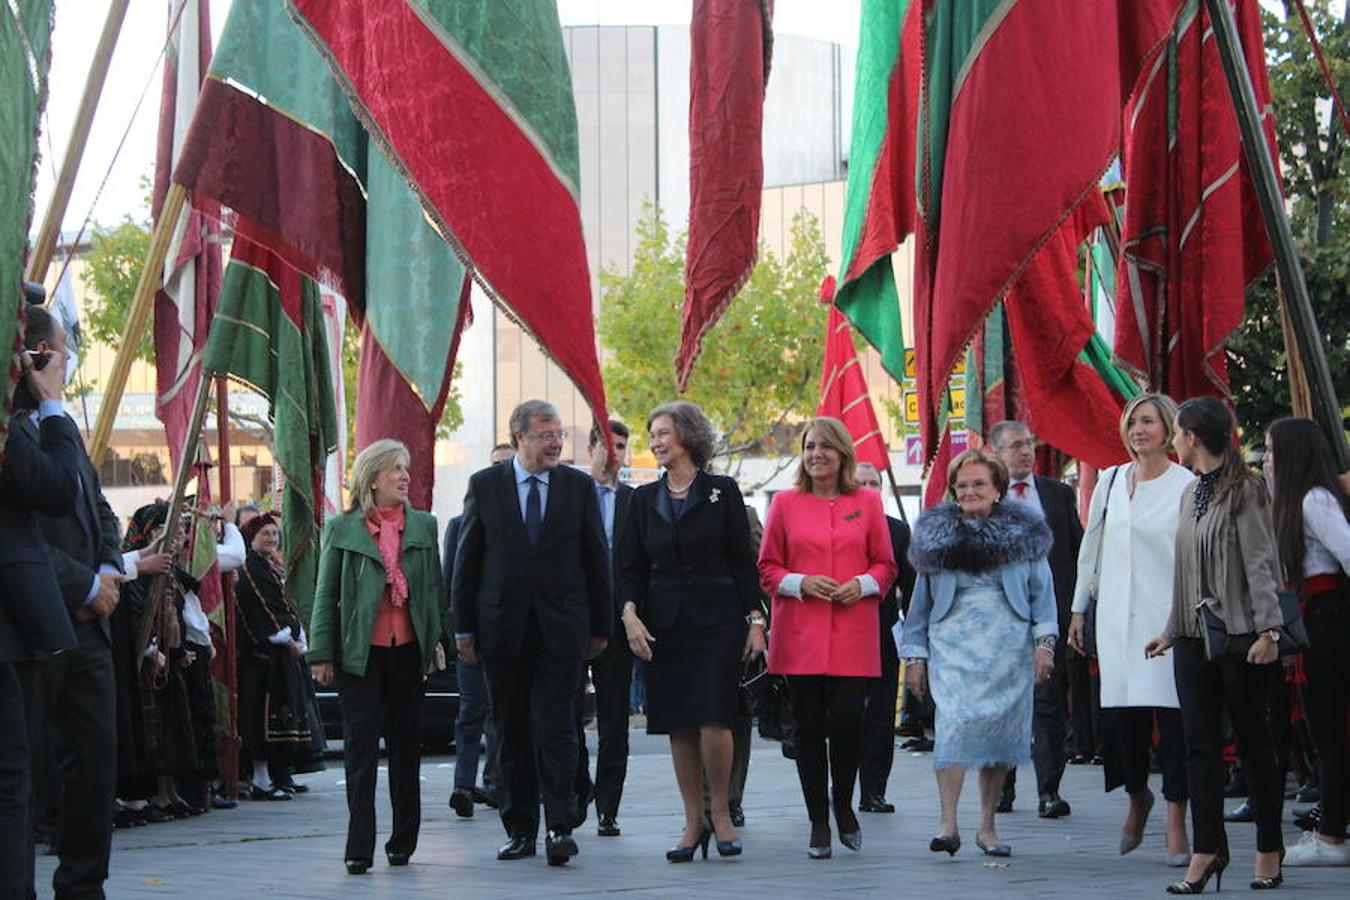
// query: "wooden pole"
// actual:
[[1326, 409], [79, 137], [895, 492], [191, 443], [228, 744], [151, 277]]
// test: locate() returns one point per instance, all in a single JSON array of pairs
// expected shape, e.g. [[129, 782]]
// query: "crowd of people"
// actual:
[[1166, 629]]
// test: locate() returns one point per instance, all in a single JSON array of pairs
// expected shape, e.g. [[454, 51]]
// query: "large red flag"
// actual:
[[1193, 238], [843, 391], [730, 43]]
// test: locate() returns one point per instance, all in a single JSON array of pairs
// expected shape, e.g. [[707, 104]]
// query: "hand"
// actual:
[[105, 601], [466, 649], [155, 563], [1043, 663], [1263, 650], [188, 659], [213, 650], [848, 593], [1156, 647], [227, 512], [1077, 622], [159, 661], [640, 640], [822, 586], [48, 382], [916, 678], [598, 645], [322, 673], [439, 661], [754, 644], [294, 647]]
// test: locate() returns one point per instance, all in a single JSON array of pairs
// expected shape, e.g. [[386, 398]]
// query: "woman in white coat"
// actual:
[[1126, 559]]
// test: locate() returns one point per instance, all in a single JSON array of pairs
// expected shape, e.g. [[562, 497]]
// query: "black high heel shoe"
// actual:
[[724, 848], [686, 854], [357, 866], [1215, 868], [945, 843], [819, 848], [1269, 882], [850, 832]]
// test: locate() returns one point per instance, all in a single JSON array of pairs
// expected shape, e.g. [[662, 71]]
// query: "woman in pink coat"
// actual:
[[825, 559]]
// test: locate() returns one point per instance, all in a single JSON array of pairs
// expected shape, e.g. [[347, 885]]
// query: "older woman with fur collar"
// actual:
[[981, 626]]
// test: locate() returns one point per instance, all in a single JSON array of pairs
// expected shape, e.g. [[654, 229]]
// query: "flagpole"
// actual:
[[1326, 409], [228, 761], [895, 491], [152, 275], [171, 524], [45, 246]]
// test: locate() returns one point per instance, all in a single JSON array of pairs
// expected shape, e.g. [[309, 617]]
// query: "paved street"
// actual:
[[294, 850]]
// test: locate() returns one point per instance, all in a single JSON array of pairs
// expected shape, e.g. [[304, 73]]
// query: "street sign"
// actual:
[[913, 450], [912, 407]]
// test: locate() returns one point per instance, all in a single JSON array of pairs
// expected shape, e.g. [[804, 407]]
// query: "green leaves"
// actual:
[[113, 266]]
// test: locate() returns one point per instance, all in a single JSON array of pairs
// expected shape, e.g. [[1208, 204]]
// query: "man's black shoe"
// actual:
[[1080, 759], [483, 797], [220, 801], [1005, 801], [461, 801], [1243, 813], [876, 804], [518, 847], [737, 816], [608, 827], [559, 847], [1052, 806]]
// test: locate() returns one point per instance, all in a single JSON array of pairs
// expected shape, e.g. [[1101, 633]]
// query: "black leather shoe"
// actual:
[[398, 859], [608, 827], [274, 793], [518, 847], [1243, 813], [559, 847], [737, 816], [1052, 806], [357, 866], [220, 801], [291, 786], [461, 801], [1005, 801], [876, 804], [484, 797]]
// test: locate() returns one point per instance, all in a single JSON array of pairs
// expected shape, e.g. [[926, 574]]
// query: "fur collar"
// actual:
[[944, 539]]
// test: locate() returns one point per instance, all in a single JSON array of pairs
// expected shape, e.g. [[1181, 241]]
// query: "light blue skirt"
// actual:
[[980, 675]]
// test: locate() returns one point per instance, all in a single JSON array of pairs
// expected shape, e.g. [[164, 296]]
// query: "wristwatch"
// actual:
[[755, 618], [1274, 635]]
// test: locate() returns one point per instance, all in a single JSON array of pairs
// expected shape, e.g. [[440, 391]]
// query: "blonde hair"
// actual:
[[972, 457], [835, 436], [379, 456], [1167, 411]]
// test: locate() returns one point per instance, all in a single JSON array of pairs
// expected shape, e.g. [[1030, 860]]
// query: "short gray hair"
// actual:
[[379, 456], [692, 427], [527, 412], [1007, 426]]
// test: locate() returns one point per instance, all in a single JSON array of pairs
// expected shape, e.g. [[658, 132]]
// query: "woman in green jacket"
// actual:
[[377, 624]]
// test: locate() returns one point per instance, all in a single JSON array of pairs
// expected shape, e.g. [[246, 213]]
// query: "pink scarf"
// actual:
[[387, 526]]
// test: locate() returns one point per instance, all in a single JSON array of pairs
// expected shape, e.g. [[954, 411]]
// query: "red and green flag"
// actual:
[[269, 334], [879, 199], [25, 55], [471, 103], [730, 47], [843, 393]]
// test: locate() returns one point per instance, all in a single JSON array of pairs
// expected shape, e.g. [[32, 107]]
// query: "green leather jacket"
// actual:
[[351, 583]]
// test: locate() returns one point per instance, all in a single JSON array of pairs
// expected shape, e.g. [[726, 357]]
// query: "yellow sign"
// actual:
[[912, 407], [911, 369], [960, 365], [958, 396]]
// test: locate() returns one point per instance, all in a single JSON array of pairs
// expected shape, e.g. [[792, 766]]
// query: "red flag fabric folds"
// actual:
[[843, 393], [728, 67]]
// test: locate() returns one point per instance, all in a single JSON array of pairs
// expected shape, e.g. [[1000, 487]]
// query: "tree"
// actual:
[[113, 267], [1316, 172], [760, 364]]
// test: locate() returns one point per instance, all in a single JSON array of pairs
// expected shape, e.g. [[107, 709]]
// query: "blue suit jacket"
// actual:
[[1027, 585]]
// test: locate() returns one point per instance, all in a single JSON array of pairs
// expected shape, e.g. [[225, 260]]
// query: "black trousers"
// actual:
[[1327, 701], [878, 748], [534, 700], [1085, 713], [1049, 728], [828, 708], [1206, 689], [74, 693], [14, 786], [386, 700], [611, 675], [1130, 729]]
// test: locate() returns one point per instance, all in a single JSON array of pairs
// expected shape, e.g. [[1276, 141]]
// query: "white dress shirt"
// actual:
[[1031, 498]]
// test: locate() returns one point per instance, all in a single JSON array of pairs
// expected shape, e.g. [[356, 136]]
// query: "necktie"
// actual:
[[534, 511], [607, 511], [1020, 489]]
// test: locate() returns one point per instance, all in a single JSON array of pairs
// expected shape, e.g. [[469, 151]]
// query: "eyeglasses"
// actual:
[[1026, 443], [547, 437]]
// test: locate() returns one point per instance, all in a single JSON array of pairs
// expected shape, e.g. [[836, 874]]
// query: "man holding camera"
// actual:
[[72, 693]]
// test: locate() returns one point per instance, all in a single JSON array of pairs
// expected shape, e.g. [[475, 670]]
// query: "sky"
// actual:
[[136, 63]]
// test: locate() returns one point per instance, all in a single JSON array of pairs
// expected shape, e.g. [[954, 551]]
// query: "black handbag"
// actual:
[[765, 696], [1293, 633], [1090, 617]]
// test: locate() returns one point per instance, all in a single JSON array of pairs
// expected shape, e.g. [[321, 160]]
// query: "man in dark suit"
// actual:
[[532, 599], [612, 670], [72, 694], [473, 721], [879, 718], [34, 477], [1016, 446]]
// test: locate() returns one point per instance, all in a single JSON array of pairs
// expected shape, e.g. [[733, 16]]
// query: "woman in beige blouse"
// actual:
[[1225, 565]]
